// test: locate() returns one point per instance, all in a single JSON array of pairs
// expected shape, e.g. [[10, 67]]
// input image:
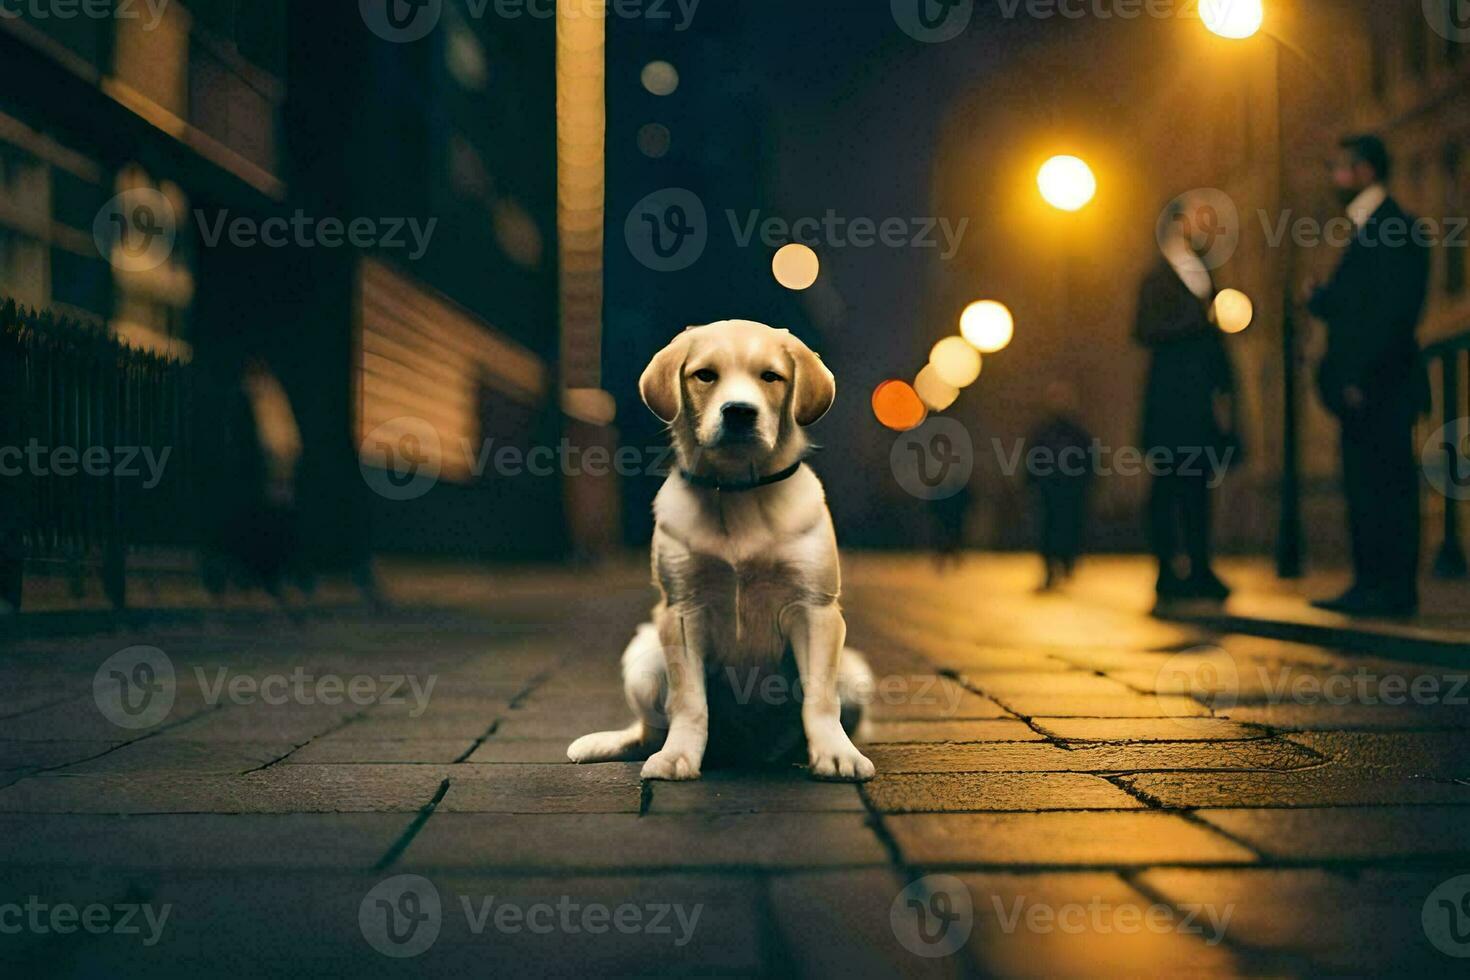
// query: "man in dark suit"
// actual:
[[1372, 379], [1188, 402]]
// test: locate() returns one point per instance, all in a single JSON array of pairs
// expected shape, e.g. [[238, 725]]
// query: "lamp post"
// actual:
[[1238, 20]]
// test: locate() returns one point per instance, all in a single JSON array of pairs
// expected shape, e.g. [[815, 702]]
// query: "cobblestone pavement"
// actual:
[[1065, 787]]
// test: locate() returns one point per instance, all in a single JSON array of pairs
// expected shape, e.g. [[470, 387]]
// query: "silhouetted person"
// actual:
[[1061, 488], [1188, 402], [1371, 378], [949, 525]]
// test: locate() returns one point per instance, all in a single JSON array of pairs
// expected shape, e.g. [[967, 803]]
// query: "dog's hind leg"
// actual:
[[645, 684], [854, 691]]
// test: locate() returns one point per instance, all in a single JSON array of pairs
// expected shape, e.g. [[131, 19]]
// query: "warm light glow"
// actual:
[[795, 266], [1066, 182], [660, 78], [955, 361], [1233, 310], [987, 325], [897, 406], [933, 390], [1234, 19]]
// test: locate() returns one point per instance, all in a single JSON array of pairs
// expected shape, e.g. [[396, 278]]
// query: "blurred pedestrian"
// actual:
[[1061, 487], [1372, 380], [1188, 411], [949, 515]]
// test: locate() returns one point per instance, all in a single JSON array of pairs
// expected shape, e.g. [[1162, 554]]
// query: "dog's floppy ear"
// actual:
[[815, 388], [661, 383]]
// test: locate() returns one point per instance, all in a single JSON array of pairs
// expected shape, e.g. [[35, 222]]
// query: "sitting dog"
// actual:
[[745, 558]]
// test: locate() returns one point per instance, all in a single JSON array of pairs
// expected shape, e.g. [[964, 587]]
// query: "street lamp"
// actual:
[[1235, 20], [1066, 183]]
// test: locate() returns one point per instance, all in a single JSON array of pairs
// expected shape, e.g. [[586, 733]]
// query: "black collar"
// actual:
[[739, 486]]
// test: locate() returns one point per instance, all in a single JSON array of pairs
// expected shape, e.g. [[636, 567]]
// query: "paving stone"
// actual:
[[1375, 926], [927, 697], [1131, 705], [1349, 833], [973, 730], [199, 840], [736, 792], [267, 722], [422, 750], [563, 723], [609, 787], [1440, 755], [47, 755], [837, 924], [176, 754], [1326, 786], [619, 841], [1071, 683], [941, 792], [544, 750], [1091, 839], [279, 789], [1329, 717], [440, 727], [1048, 757], [1085, 924], [1147, 729]]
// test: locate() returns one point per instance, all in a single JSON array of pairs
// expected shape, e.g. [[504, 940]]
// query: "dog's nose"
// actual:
[[739, 415]]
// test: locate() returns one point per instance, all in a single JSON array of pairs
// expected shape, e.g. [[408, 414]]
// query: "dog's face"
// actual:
[[737, 390]]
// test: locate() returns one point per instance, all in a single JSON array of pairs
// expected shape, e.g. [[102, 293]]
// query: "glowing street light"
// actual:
[[795, 266], [1233, 310], [933, 391], [1234, 19], [987, 325], [955, 361], [898, 406], [1066, 182]]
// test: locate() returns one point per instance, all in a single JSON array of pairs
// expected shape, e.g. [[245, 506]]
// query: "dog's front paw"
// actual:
[[671, 764], [840, 762]]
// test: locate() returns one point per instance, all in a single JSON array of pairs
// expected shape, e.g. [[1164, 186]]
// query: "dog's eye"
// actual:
[[706, 375], [771, 377]]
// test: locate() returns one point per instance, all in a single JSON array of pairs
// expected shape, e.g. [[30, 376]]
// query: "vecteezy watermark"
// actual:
[[933, 916], [669, 230], [1450, 19], [41, 918], [406, 21], [1099, 459], [48, 10], [136, 688], [933, 461], [34, 459], [402, 916], [1341, 231], [1446, 459], [402, 459], [1100, 917], [138, 230], [1207, 219], [1211, 675], [1446, 916], [932, 21]]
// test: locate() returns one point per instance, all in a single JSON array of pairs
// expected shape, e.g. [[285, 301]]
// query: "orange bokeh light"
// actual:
[[898, 406]]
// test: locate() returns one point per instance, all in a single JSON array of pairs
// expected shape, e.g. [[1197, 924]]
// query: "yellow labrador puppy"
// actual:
[[746, 561]]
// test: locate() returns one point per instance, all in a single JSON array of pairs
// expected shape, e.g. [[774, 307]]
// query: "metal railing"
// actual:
[[1449, 360], [94, 451]]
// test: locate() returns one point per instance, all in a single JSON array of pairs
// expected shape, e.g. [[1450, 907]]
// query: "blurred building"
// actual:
[[442, 304]]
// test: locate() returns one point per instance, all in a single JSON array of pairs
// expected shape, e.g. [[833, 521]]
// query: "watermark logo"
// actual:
[[45, 10], [668, 230], [401, 21], [1207, 219], [1446, 917], [134, 688], [935, 460], [136, 230], [401, 916], [1450, 19], [43, 918], [933, 916], [400, 459], [932, 21], [1446, 459], [1206, 674], [1100, 917]]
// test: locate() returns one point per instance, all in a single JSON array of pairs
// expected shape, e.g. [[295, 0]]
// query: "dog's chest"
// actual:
[[738, 603]]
